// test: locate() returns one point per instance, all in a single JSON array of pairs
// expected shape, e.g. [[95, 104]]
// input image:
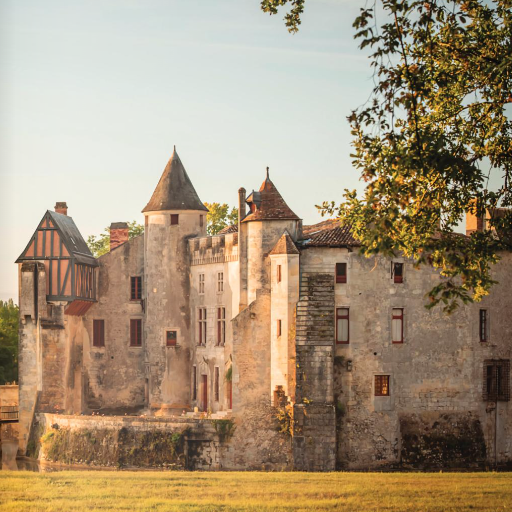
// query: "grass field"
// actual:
[[165, 491]]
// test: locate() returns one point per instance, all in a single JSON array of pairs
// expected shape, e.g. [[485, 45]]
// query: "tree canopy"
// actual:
[[101, 245], [9, 318], [437, 124], [220, 216]]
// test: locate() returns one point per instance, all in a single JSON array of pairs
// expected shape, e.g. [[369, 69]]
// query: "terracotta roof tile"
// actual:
[[285, 245], [339, 236], [228, 229]]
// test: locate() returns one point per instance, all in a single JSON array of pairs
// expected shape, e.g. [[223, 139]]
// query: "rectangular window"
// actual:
[[202, 326], [278, 328], [497, 380], [194, 382], [220, 281], [341, 272], [342, 326], [484, 325], [201, 283], [171, 338], [397, 325], [136, 288], [217, 384], [381, 385], [98, 333], [221, 326], [135, 332], [278, 273], [398, 272], [175, 219], [201, 221]]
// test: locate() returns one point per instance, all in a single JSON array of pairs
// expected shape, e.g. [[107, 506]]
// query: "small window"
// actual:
[[278, 273], [221, 326], [98, 334], [484, 325], [398, 272], [202, 326], [136, 288], [171, 338], [135, 332], [201, 221], [201, 283], [397, 325], [279, 328], [216, 384], [381, 385], [497, 380], [194, 382], [220, 281], [342, 326], [175, 219], [341, 272]]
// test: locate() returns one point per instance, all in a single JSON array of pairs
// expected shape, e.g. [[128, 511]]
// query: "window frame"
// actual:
[[175, 219], [346, 317], [341, 271], [202, 280], [202, 326], [378, 385], [279, 328], [136, 332], [136, 288], [221, 326], [216, 384], [496, 384], [483, 325], [400, 317], [172, 345], [279, 274], [220, 282], [397, 279], [194, 382], [98, 333]]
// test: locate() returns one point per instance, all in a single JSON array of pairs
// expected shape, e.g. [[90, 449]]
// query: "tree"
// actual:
[[426, 142], [219, 216], [9, 320], [101, 245]]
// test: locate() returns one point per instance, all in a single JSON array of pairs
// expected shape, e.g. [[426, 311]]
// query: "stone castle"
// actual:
[[320, 358]]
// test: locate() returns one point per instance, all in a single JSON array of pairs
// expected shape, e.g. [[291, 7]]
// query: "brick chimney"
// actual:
[[473, 221], [241, 203], [118, 234], [61, 208]]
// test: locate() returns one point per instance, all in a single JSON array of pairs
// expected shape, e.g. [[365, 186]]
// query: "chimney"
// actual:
[[118, 234], [241, 203], [61, 208], [474, 222]]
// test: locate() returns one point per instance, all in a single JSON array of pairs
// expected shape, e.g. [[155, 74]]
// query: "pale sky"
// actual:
[[94, 94]]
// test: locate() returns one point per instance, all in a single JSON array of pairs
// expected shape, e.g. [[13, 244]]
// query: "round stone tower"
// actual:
[[173, 215]]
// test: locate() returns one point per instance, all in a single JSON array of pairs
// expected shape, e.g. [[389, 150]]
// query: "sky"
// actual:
[[95, 94]]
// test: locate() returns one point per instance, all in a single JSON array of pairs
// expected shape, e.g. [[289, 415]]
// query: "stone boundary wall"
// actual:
[[129, 441]]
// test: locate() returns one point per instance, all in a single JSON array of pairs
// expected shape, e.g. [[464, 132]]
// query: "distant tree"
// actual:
[[9, 319], [220, 216], [101, 245], [437, 123]]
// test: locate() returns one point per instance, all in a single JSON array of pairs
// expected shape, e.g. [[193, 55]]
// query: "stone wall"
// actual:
[[116, 441], [9, 398]]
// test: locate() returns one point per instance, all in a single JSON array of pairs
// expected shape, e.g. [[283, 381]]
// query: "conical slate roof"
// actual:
[[270, 204], [174, 190]]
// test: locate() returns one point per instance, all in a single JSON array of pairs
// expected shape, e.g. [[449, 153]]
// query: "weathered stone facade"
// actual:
[[314, 357]]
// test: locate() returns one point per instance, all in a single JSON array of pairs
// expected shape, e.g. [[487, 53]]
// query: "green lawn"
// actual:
[[162, 491]]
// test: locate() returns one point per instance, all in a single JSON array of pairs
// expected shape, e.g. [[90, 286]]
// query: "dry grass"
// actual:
[[169, 491]]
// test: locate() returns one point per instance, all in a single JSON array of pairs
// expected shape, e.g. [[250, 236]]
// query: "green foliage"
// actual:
[[284, 417], [9, 324], [292, 18], [225, 429], [101, 245], [437, 124], [219, 216]]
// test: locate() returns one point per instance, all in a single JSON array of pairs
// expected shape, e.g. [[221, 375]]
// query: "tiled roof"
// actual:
[[320, 226], [270, 205], [228, 229], [329, 236], [174, 190], [285, 245]]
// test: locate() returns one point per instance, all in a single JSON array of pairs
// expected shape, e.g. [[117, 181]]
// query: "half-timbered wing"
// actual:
[[70, 266]]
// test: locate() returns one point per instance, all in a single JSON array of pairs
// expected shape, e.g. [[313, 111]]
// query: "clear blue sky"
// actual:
[[95, 94]]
